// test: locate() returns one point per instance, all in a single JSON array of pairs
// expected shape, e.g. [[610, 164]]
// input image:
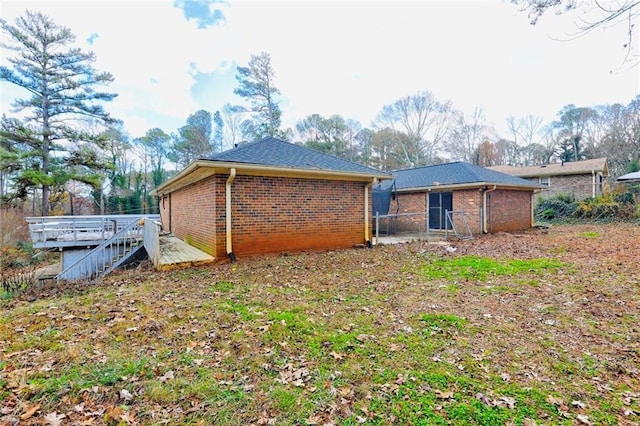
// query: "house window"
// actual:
[[545, 180]]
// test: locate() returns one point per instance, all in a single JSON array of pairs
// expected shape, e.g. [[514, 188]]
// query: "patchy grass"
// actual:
[[473, 267], [538, 328], [590, 234]]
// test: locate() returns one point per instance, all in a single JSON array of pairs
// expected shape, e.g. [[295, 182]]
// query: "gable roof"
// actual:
[[272, 157], [557, 169], [276, 152], [455, 175]]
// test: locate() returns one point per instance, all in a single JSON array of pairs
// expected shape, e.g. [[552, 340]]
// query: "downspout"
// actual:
[[533, 202], [232, 175], [485, 227], [593, 184], [367, 237]]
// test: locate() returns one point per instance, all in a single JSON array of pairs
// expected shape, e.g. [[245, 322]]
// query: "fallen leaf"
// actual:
[[584, 419], [30, 411], [395, 347], [336, 355], [166, 376], [314, 420], [126, 395], [509, 401], [554, 400], [128, 417], [112, 414], [444, 395], [578, 404], [480, 396], [54, 419]]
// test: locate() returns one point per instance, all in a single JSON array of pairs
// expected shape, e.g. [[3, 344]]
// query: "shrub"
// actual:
[[559, 207], [609, 206]]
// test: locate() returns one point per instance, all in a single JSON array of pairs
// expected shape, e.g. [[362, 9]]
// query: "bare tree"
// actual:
[[467, 134], [425, 121], [529, 137], [593, 15], [620, 142], [232, 116]]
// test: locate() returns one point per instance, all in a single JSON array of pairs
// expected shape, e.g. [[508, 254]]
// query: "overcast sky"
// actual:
[[170, 59]]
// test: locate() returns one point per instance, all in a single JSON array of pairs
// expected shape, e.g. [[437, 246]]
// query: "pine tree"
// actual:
[[57, 137]]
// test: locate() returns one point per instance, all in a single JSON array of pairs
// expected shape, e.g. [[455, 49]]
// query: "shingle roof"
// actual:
[[557, 169], [275, 152], [458, 173]]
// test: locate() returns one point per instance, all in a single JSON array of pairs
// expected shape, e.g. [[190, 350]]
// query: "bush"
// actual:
[[556, 208], [18, 259], [610, 206], [607, 206]]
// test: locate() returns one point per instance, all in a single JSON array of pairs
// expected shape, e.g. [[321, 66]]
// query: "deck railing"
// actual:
[[68, 231], [106, 256]]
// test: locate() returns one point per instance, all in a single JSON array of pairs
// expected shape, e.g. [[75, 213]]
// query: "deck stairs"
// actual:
[[107, 256]]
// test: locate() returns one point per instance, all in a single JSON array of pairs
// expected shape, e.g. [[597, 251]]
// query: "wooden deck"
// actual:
[[175, 253], [48, 272]]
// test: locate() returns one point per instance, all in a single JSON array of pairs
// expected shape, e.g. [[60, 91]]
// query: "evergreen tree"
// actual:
[[257, 86], [56, 137], [194, 139]]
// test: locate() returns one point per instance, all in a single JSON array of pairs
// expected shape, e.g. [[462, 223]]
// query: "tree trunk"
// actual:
[[45, 200], [46, 148]]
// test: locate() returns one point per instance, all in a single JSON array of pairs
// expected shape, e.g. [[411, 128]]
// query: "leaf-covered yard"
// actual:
[[538, 328]]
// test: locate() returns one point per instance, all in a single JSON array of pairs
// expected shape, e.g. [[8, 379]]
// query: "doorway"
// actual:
[[439, 203]]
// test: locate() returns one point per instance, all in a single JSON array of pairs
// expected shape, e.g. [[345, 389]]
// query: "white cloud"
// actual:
[[347, 58]]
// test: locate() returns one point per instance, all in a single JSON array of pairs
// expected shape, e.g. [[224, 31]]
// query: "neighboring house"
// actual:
[[580, 179], [489, 201], [269, 196]]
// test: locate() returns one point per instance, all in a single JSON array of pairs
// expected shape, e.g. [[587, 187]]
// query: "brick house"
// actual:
[[269, 196], [580, 179], [489, 201]]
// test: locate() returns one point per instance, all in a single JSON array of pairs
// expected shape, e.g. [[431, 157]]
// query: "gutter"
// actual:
[[207, 168], [463, 186], [367, 236], [484, 209], [229, 247]]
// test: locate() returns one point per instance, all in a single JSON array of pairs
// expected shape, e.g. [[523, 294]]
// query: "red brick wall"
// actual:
[[410, 203], [190, 212], [268, 214], [287, 214], [471, 202], [509, 211]]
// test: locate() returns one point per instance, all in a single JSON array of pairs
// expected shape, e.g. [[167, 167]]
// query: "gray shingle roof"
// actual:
[[275, 152], [457, 173]]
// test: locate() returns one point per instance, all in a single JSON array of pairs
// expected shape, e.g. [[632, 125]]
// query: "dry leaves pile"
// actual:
[[339, 337]]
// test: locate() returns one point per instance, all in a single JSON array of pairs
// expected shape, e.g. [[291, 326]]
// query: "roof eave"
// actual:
[[473, 185], [552, 174], [208, 168]]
